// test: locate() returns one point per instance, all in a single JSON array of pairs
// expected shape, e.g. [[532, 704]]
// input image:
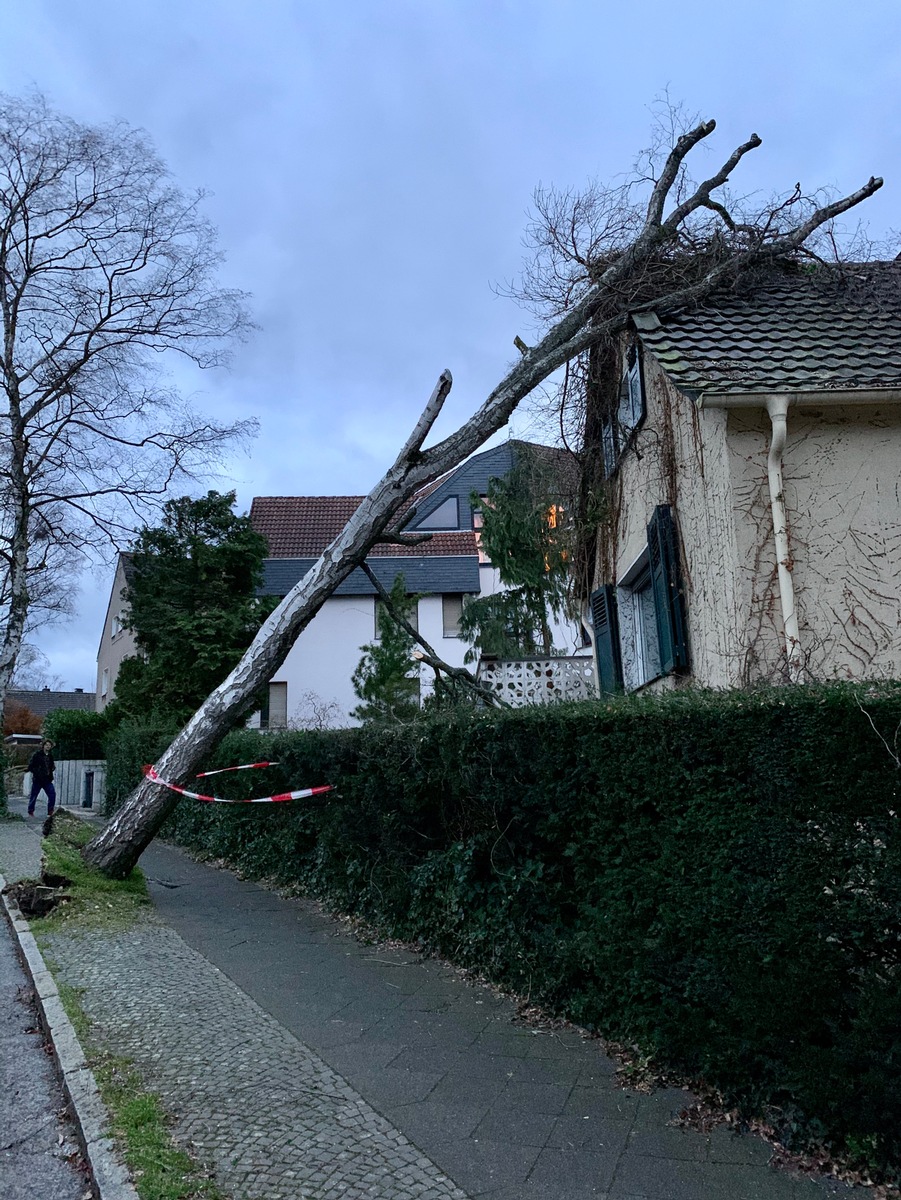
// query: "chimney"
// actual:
[[79, 690]]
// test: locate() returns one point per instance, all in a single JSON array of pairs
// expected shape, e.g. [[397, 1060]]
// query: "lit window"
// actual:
[[477, 522]]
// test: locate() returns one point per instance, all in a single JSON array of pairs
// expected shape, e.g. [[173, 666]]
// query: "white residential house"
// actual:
[[313, 686]]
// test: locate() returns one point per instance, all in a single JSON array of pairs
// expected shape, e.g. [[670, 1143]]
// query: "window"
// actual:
[[445, 516], [278, 706], [451, 612], [117, 624], [639, 640], [640, 628], [104, 682], [477, 522], [274, 711], [618, 428]]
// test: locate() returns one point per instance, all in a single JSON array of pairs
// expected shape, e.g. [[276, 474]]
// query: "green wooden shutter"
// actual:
[[669, 594], [606, 639]]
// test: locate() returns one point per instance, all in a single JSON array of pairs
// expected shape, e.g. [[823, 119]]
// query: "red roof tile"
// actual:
[[302, 527]]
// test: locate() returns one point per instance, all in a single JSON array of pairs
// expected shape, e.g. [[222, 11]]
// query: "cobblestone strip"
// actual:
[[269, 1116]]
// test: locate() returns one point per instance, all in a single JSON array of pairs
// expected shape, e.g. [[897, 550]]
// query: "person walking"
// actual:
[[42, 768]]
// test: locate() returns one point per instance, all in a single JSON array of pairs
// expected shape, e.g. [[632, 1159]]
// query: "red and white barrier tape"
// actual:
[[243, 767], [152, 775]]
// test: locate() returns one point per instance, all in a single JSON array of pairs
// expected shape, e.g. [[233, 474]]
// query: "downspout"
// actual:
[[777, 407]]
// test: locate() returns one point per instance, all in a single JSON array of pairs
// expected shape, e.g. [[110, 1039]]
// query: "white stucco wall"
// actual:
[[320, 666], [680, 458]]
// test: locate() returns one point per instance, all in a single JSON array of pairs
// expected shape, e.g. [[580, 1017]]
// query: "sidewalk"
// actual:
[[302, 1065], [39, 1156]]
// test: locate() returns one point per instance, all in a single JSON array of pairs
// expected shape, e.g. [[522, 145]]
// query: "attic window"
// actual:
[[619, 427], [445, 516]]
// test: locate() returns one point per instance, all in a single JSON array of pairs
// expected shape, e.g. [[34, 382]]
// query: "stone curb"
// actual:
[[111, 1179]]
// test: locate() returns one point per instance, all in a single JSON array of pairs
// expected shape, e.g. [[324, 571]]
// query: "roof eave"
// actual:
[[801, 397]]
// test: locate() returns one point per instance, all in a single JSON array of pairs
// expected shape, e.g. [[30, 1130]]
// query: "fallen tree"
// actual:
[[650, 258]]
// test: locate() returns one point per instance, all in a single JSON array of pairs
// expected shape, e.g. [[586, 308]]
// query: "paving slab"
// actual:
[[300, 1064], [506, 1110]]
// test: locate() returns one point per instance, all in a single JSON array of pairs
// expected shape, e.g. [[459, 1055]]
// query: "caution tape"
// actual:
[[151, 774], [243, 767]]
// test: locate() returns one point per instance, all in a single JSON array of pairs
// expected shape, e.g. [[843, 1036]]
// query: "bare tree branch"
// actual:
[[427, 653]]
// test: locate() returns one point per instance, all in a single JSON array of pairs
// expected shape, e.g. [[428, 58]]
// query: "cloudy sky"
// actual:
[[371, 166]]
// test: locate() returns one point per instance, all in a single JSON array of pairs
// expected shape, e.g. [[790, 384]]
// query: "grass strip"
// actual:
[[139, 1123], [94, 901]]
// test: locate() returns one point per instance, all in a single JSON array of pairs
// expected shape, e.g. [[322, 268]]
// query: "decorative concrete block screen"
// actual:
[[540, 680]]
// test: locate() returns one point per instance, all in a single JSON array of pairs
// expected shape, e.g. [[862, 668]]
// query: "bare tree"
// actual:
[[674, 246], [103, 264]]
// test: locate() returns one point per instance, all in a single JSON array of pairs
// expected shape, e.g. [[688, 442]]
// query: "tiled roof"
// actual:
[[828, 329], [426, 576], [45, 701], [302, 527]]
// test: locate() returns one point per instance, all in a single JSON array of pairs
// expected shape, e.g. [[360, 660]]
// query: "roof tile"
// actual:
[[833, 328]]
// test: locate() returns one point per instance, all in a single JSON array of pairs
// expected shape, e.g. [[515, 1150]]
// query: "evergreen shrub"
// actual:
[[76, 733], [716, 877]]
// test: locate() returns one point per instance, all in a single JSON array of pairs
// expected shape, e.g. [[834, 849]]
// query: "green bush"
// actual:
[[716, 877], [76, 733], [129, 747]]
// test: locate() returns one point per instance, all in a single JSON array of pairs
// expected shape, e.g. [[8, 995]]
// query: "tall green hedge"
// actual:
[[716, 877]]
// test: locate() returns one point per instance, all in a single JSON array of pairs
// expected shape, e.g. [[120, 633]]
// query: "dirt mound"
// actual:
[[36, 898]]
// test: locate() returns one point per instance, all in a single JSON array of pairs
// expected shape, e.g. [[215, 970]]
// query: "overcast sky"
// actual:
[[371, 166]]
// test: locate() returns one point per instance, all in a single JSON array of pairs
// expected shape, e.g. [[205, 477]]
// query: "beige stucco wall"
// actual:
[[843, 497], [113, 648], [841, 470], [680, 458]]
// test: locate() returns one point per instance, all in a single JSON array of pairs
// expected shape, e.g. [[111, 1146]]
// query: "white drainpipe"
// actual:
[[777, 407]]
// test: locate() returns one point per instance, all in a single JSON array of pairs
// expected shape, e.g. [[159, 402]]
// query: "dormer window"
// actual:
[[445, 516], [619, 427]]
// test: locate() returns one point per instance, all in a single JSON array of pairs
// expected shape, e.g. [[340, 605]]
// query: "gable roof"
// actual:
[[44, 701], [301, 527], [833, 328]]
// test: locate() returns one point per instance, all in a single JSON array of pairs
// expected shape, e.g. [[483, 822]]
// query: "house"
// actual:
[[41, 701], [314, 685], [751, 449], [116, 642]]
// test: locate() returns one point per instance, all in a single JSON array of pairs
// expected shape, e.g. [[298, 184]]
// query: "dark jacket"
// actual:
[[42, 767]]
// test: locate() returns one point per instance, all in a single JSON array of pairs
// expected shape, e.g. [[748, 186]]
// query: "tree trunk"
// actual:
[[18, 567], [603, 311]]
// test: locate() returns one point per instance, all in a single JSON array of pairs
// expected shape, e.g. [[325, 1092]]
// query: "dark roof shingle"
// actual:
[[829, 329]]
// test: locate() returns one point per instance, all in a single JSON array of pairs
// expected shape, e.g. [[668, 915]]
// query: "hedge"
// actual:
[[716, 877]]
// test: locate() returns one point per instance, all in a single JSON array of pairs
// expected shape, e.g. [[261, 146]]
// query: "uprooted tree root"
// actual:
[[37, 897]]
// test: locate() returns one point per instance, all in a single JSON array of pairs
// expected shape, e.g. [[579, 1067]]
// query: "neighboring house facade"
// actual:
[[752, 453], [116, 642], [314, 685]]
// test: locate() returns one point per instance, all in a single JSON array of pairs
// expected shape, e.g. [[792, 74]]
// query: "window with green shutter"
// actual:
[[606, 639], [669, 593]]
